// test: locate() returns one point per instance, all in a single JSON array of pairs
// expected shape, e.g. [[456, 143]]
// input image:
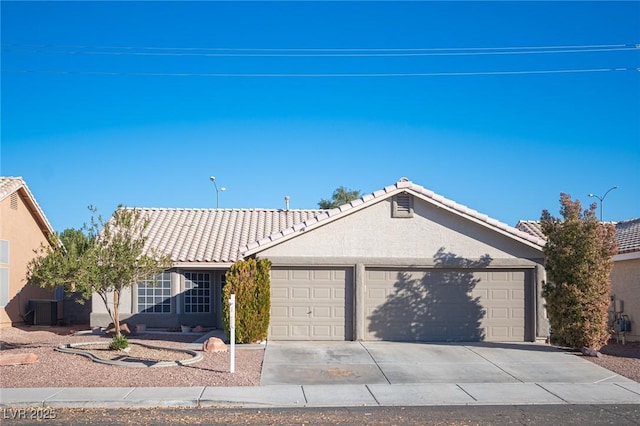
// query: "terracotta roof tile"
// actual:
[[401, 186], [214, 235], [10, 185], [627, 233]]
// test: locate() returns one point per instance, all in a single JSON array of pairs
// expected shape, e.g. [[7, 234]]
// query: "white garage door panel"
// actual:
[[309, 304], [446, 305]]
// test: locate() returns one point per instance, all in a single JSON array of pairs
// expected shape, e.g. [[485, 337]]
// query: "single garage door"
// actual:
[[311, 304], [448, 305]]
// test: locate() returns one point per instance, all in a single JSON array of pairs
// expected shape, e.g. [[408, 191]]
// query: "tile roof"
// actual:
[[403, 185], [627, 233], [194, 236], [10, 185], [214, 235]]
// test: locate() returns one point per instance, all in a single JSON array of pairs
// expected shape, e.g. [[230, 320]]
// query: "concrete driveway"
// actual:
[[323, 363]]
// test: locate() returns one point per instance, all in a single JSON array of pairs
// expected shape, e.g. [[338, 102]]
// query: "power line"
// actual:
[[341, 49], [349, 53], [322, 75]]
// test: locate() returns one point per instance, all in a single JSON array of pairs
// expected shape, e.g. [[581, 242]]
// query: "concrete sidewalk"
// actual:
[[431, 394], [350, 374]]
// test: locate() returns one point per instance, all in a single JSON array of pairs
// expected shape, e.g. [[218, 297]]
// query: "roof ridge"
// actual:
[[236, 209], [402, 184]]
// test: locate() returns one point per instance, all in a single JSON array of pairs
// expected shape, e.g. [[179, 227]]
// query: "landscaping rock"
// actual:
[[590, 352], [17, 359], [124, 329], [214, 344]]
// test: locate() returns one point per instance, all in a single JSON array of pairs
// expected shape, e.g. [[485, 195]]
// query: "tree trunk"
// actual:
[[116, 313]]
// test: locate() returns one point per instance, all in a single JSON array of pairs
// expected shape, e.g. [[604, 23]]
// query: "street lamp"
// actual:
[[602, 198], [213, 179]]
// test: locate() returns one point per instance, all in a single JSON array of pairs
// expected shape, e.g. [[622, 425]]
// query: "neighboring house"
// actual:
[[625, 276], [23, 227], [402, 263]]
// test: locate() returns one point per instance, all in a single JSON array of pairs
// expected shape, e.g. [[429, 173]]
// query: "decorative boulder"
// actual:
[[124, 328], [590, 352], [214, 344]]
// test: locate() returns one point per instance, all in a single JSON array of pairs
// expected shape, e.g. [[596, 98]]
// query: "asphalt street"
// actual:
[[625, 414]]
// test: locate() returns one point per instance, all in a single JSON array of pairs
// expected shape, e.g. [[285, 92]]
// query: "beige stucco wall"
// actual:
[[625, 286], [371, 237], [373, 233], [18, 226]]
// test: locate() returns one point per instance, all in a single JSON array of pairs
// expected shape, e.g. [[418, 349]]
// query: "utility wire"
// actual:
[[352, 54], [584, 46], [322, 75]]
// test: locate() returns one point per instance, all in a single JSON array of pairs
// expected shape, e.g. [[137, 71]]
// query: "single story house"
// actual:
[[23, 228], [402, 263], [625, 276]]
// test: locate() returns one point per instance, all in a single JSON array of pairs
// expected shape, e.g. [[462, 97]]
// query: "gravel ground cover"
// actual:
[[621, 359], [57, 369]]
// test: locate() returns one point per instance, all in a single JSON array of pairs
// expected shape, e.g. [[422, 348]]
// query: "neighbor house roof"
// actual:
[[192, 236], [627, 233], [12, 185], [403, 185]]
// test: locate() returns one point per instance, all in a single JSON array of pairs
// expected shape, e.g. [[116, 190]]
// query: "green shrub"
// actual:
[[578, 261], [118, 342], [249, 281]]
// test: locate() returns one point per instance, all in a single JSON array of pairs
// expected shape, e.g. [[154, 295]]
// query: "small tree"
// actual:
[[249, 281], [340, 196], [578, 261], [110, 258]]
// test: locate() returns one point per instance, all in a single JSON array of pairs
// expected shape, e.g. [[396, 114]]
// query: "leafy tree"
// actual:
[[578, 260], [105, 260], [340, 196], [249, 281]]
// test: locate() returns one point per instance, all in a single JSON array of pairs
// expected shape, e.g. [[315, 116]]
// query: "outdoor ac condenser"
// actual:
[[45, 311]]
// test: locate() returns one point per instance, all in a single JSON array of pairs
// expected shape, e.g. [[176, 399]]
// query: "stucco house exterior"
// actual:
[[401, 263], [625, 275], [23, 227]]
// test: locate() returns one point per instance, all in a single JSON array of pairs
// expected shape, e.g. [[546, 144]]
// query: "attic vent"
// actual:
[[402, 206], [14, 201]]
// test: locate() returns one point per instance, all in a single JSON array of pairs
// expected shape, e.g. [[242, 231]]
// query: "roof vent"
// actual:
[[404, 179], [402, 206], [286, 202]]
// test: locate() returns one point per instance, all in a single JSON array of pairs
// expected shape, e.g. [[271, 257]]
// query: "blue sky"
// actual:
[[499, 106]]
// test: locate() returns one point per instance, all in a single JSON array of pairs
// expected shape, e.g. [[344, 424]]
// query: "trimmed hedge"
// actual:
[[249, 280]]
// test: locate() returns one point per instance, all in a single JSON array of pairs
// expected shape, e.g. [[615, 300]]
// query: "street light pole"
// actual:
[[213, 179], [602, 198]]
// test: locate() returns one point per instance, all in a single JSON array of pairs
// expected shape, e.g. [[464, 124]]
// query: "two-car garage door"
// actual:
[[446, 305], [401, 304]]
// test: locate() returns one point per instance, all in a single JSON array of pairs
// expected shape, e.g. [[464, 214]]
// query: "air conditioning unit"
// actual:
[[45, 311]]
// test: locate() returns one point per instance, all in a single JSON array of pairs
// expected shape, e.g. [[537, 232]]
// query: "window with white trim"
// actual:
[[4, 287], [4, 251], [197, 294], [154, 294], [4, 273]]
